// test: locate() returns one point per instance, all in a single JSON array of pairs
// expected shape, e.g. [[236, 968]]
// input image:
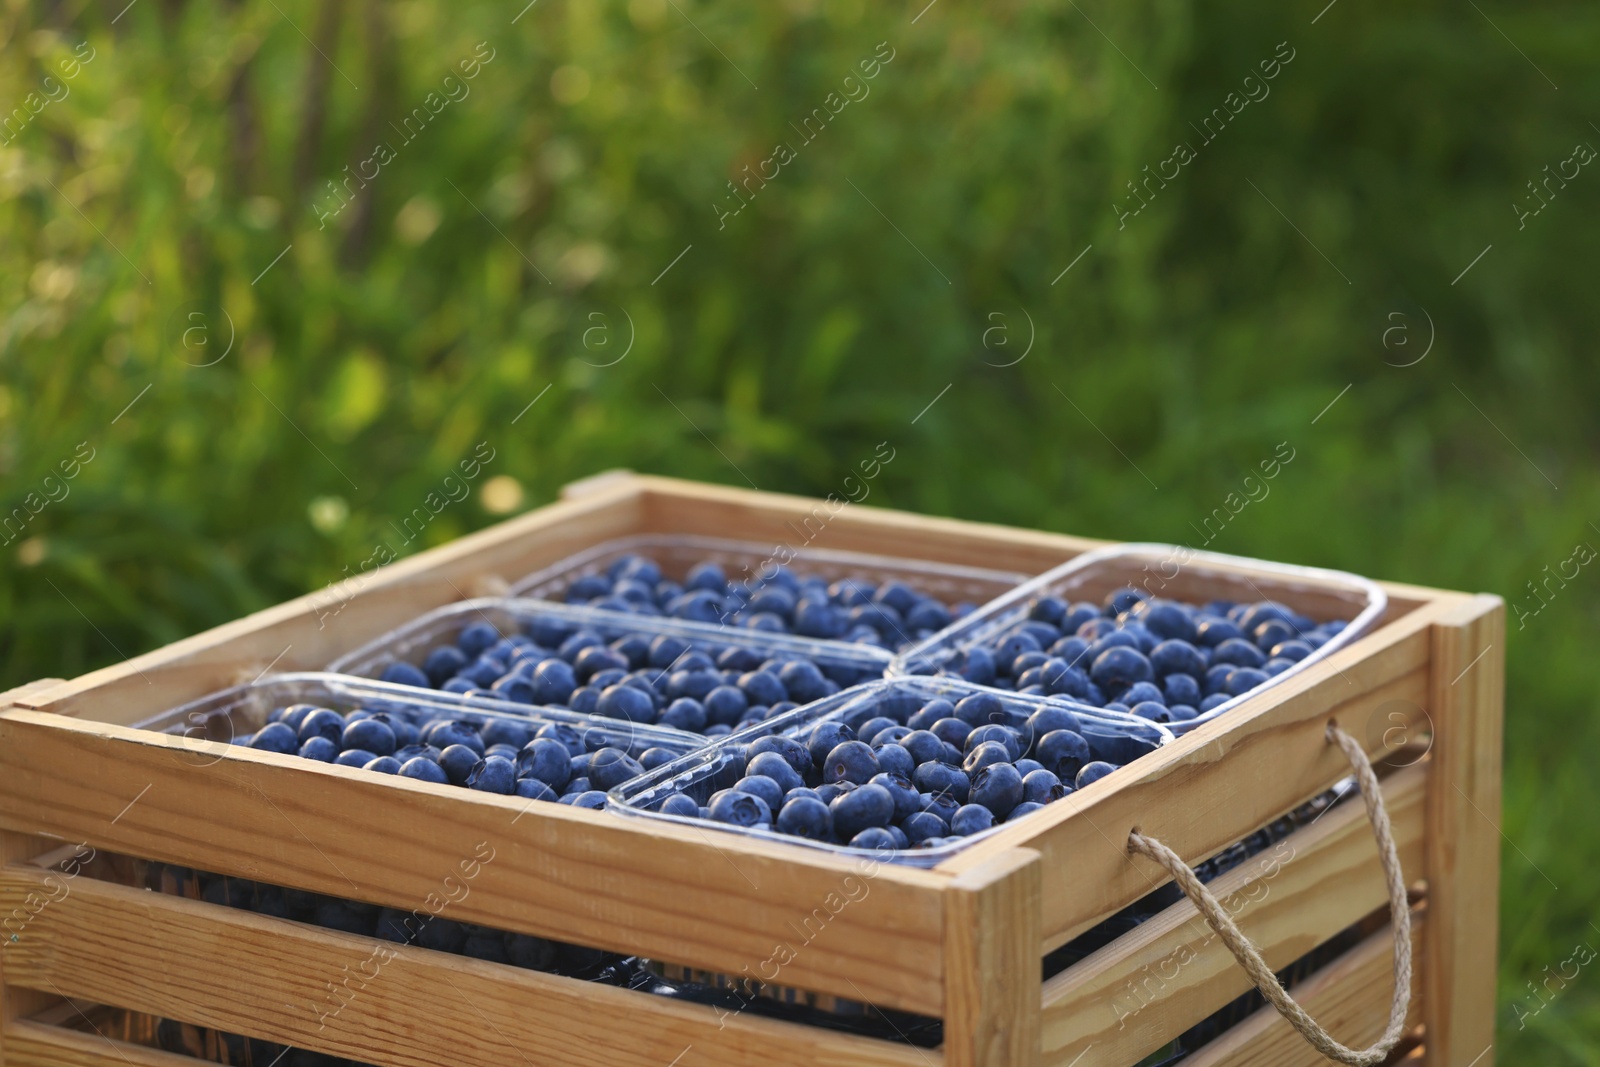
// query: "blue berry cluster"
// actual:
[[1164, 660], [898, 771], [693, 684], [513, 757], [889, 615]]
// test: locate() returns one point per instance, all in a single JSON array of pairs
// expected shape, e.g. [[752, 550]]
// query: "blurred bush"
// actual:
[[271, 374]]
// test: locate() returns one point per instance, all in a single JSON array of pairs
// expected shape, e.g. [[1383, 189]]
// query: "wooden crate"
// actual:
[[962, 941]]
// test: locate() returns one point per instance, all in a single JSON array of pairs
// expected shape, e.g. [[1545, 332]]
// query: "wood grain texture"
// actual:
[[1144, 989], [1466, 700], [1350, 997], [684, 895], [408, 1007], [16, 1002], [30, 1044], [1217, 784], [992, 984]]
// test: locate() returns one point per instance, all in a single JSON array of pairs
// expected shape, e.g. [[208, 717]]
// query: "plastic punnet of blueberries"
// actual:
[[890, 614], [691, 683], [902, 765], [549, 761], [1163, 660]]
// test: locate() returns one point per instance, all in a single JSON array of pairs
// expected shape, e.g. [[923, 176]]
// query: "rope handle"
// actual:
[[1250, 958]]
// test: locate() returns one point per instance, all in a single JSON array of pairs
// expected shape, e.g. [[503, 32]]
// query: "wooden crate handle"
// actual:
[[1250, 958]]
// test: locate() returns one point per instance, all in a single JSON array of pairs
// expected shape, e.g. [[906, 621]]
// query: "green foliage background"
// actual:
[[856, 286]]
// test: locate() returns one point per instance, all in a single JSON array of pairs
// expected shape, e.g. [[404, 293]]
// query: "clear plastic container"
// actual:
[[749, 561], [1112, 736], [224, 717], [846, 664], [1171, 572]]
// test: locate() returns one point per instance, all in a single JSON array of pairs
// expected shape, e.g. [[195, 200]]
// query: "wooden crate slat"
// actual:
[[1143, 990], [1216, 784], [243, 973], [1466, 700], [680, 894], [1349, 997], [29, 1044], [992, 991]]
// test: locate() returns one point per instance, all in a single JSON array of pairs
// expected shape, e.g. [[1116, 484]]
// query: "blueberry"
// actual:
[[355, 757], [1295, 650], [626, 702], [546, 759], [320, 749], [651, 758], [401, 673], [570, 739], [740, 809], [1213, 701], [1181, 689], [1124, 599], [979, 666], [980, 709], [994, 733], [793, 752], [761, 786], [806, 817], [610, 767], [1243, 680], [1062, 752], [1042, 786], [825, 737], [942, 805], [875, 839], [921, 825], [1217, 677], [942, 778], [321, 723], [1048, 720], [553, 682], [867, 805], [772, 766], [446, 732], [276, 737], [971, 819], [708, 576], [833, 791], [476, 638], [930, 713], [725, 704], [1239, 652], [443, 663], [1168, 620], [1153, 710], [680, 804], [997, 787], [762, 687], [1119, 667], [849, 761], [923, 745], [905, 795], [986, 754], [1047, 608], [951, 731], [534, 789], [493, 774], [593, 799], [458, 762], [1093, 772], [1214, 631], [894, 759], [1274, 667], [383, 765], [1182, 712], [1027, 807], [423, 770], [685, 713]]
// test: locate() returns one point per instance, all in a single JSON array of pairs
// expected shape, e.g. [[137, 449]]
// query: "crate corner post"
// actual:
[[992, 972], [1466, 697]]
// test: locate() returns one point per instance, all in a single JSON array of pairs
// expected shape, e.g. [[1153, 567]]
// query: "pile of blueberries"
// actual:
[[900, 771], [513, 757], [889, 615], [701, 686], [1164, 660]]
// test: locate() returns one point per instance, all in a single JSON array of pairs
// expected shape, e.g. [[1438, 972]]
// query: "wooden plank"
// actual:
[[1217, 784], [396, 1005], [311, 631], [17, 1003], [1466, 700], [1143, 990], [1349, 997], [992, 975], [685, 895], [30, 1044]]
